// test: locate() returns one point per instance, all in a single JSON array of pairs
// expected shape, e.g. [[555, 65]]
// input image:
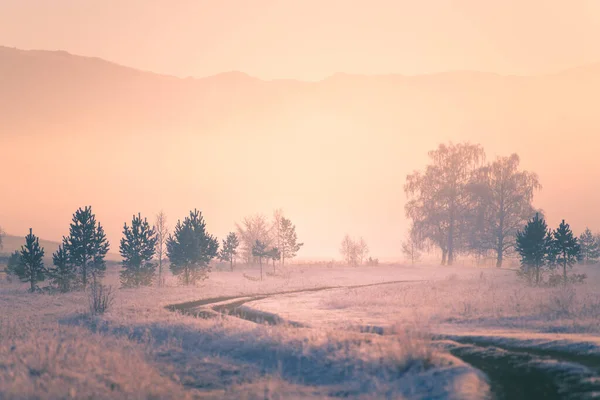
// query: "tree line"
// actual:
[[80, 259], [461, 204]]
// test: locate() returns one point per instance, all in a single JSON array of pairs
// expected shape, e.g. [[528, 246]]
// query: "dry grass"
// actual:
[[51, 347]]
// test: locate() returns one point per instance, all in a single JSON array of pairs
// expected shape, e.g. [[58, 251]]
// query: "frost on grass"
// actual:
[[52, 347]]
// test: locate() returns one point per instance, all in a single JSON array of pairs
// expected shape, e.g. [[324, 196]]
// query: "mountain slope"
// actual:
[[333, 154]]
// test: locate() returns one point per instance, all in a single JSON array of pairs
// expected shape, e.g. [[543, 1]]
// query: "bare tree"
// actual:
[[162, 232], [250, 230], [276, 230], [503, 196], [362, 250], [349, 251], [439, 202], [411, 248]]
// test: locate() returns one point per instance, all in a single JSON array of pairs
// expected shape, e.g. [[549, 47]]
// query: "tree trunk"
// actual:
[[260, 262], [564, 267], [273, 265], [231, 262], [84, 274], [444, 256], [451, 243], [160, 270], [32, 282]]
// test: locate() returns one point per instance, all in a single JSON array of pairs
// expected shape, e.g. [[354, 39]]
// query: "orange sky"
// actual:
[[343, 180], [311, 39]]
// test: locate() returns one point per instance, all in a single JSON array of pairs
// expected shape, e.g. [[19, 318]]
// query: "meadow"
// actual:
[[52, 347]]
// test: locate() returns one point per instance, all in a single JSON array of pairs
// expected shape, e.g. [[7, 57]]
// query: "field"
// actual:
[[391, 331]]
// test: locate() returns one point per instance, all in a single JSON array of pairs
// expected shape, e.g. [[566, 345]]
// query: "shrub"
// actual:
[[100, 298]]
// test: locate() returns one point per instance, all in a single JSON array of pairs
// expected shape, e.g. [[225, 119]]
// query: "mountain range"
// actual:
[[333, 154]]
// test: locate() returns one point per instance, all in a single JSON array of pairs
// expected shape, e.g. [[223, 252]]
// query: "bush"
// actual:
[[100, 298], [372, 262]]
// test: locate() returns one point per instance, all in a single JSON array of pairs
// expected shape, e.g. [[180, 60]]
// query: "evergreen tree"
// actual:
[[275, 255], [288, 240], [86, 245], [534, 245], [13, 263], [190, 249], [137, 248], [565, 248], [229, 248], [590, 247], [260, 251], [63, 274], [31, 265]]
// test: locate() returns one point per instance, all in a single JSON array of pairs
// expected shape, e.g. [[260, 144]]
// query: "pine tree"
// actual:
[[565, 247], [288, 240], [13, 263], [86, 245], [63, 274], [260, 251], [590, 247], [274, 255], [229, 248], [534, 245], [31, 265], [190, 249], [137, 248]]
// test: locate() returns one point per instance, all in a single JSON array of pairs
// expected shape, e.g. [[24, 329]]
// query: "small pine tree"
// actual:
[[590, 247], [534, 245], [63, 274], [31, 265], [260, 250], [275, 255], [13, 263], [138, 246], [288, 240], [190, 249], [565, 248], [86, 245], [229, 248]]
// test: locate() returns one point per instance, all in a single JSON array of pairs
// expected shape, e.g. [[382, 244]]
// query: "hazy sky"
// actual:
[[310, 39]]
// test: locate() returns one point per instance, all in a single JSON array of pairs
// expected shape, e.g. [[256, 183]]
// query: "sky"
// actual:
[[312, 39], [304, 40]]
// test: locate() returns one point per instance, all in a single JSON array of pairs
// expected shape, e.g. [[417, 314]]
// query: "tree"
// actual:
[[31, 265], [260, 251], [590, 247], [190, 249], [63, 274], [503, 196], [411, 248], [162, 232], [86, 245], [138, 246], [362, 250], [349, 251], [13, 264], [251, 229], [2, 234], [565, 247], [288, 240], [439, 202], [229, 248], [277, 230], [275, 255], [534, 245]]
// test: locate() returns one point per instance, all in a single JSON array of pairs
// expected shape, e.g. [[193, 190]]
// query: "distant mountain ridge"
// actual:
[[340, 147]]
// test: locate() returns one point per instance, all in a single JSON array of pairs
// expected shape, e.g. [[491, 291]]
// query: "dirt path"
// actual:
[[514, 373]]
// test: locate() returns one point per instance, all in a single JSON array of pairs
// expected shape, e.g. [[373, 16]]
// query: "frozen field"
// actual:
[[432, 318]]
